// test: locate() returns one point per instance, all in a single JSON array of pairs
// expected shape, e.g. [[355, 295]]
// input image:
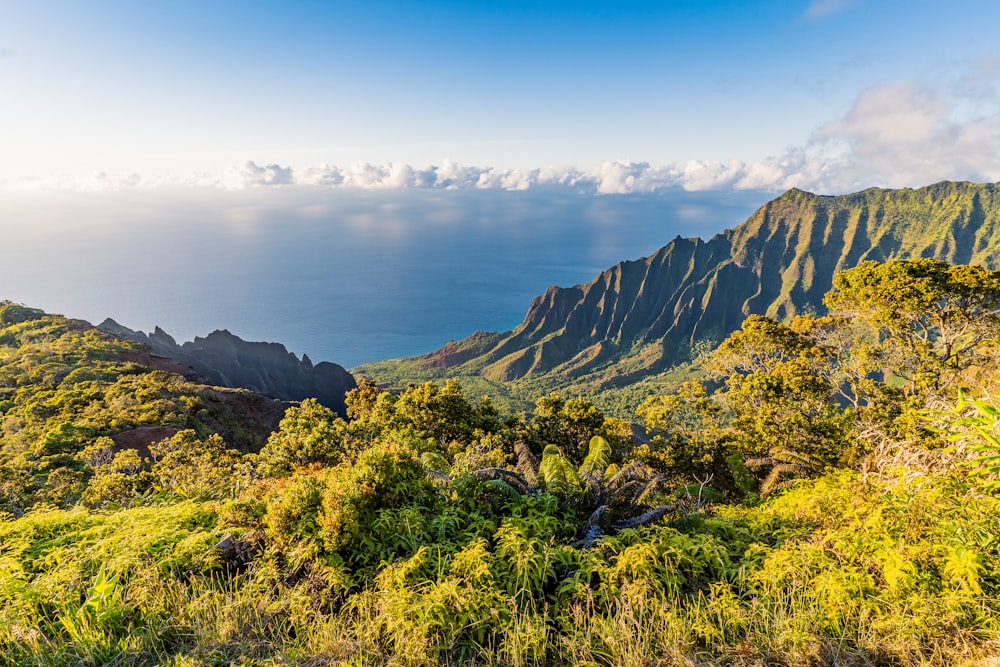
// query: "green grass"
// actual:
[[840, 570]]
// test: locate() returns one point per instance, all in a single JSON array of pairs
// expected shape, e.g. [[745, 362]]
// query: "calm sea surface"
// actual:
[[344, 276]]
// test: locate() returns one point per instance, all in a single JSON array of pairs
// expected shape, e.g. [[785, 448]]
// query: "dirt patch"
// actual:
[[141, 438], [251, 417]]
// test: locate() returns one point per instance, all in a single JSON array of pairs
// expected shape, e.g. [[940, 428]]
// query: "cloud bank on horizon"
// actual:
[[830, 96], [895, 135]]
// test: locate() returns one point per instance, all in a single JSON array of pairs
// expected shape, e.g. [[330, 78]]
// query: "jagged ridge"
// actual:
[[645, 315], [267, 368]]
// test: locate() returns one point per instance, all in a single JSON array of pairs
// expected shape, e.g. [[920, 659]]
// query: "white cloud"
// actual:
[[562, 176], [249, 175], [103, 181], [322, 174], [453, 175], [760, 176], [381, 176], [894, 113], [894, 135], [615, 178], [509, 179], [905, 134], [699, 175]]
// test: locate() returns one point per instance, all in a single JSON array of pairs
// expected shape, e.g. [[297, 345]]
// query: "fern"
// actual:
[[784, 462], [527, 463], [434, 461], [557, 473], [981, 438], [657, 485], [598, 457], [594, 469], [512, 479], [774, 480], [963, 568], [504, 488]]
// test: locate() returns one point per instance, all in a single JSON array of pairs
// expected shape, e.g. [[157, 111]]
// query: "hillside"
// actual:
[[642, 317], [266, 368], [70, 393], [766, 522]]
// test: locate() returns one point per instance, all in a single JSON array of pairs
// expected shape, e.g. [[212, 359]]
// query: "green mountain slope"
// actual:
[[642, 317], [72, 397]]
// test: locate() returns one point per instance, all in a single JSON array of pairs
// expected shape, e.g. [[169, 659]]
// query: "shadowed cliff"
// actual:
[[266, 368]]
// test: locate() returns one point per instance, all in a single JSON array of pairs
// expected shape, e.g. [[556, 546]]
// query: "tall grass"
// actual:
[[840, 570]]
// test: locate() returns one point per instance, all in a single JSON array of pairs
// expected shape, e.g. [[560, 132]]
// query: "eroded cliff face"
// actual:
[[645, 315], [266, 368]]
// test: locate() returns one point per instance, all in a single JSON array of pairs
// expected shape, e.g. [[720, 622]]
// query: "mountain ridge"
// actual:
[[643, 316], [266, 368]]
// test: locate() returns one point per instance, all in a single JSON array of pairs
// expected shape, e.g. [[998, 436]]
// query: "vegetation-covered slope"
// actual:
[[71, 397], [828, 503], [642, 317]]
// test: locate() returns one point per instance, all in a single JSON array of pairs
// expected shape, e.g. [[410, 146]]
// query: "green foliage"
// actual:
[[974, 424], [363, 512], [569, 424], [12, 313], [933, 320], [384, 477], [430, 529], [599, 457], [91, 626], [290, 510], [779, 398], [439, 413], [308, 433], [121, 482], [689, 439], [66, 389], [557, 475], [841, 567], [189, 467], [778, 409]]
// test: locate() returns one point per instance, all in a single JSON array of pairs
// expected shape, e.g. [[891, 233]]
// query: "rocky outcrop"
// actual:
[[266, 368], [645, 315]]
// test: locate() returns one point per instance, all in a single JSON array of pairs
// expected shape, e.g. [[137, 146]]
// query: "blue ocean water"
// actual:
[[343, 275]]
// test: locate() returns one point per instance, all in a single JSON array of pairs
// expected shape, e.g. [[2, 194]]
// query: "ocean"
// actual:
[[349, 276]]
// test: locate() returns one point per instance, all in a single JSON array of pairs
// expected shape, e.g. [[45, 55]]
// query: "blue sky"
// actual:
[[123, 121], [830, 95]]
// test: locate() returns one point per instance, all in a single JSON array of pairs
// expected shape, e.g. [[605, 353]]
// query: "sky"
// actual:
[[608, 97]]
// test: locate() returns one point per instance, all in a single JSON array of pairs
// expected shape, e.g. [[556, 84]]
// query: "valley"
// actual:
[[800, 469]]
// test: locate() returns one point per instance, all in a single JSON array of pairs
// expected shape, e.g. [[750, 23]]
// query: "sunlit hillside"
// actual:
[[833, 502]]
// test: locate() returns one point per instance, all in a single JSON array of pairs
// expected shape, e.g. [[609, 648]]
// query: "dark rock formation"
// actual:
[[266, 368]]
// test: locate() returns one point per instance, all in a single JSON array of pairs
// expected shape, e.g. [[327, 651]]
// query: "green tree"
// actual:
[[439, 413], [785, 416], [122, 482], [190, 467], [932, 321], [570, 424], [385, 477], [688, 435], [308, 433]]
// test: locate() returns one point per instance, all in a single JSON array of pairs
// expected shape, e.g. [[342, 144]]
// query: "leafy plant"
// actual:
[[975, 424]]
